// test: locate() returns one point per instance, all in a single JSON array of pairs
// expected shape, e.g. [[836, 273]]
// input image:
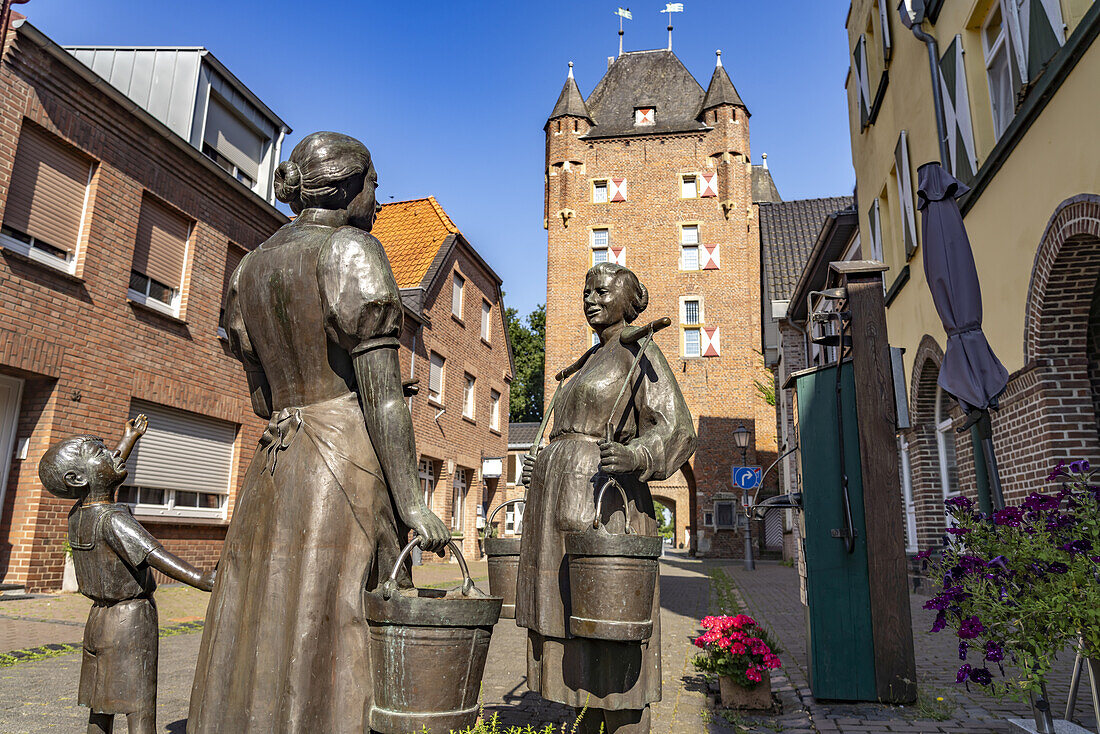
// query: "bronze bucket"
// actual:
[[612, 579], [428, 652], [503, 561]]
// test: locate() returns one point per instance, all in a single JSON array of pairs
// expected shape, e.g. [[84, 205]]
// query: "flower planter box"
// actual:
[[757, 698]]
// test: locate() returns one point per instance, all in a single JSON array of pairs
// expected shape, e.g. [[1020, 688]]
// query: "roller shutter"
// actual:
[[181, 451], [161, 243]]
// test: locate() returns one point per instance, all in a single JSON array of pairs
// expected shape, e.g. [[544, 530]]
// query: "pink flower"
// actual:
[[708, 622], [724, 643], [699, 642], [771, 661], [739, 636], [753, 674], [711, 636], [738, 649]]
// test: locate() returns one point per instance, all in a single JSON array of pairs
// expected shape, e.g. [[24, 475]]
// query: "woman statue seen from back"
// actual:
[[315, 315]]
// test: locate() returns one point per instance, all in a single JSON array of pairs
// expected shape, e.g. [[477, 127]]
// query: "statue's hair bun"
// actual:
[[288, 182]]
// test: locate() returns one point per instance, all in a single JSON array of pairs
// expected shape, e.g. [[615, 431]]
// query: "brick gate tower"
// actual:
[[652, 172]]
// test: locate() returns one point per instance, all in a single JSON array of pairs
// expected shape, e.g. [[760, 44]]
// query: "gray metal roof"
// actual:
[[645, 79], [763, 186], [721, 91], [522, 435], [788, 232]]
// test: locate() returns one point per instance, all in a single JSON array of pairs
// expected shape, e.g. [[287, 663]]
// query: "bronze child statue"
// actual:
[[114, 558]]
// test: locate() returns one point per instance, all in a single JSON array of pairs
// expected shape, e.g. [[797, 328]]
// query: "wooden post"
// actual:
[[891, 621]]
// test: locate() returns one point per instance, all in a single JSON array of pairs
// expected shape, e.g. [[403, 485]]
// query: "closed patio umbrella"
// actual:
[[970, 371]]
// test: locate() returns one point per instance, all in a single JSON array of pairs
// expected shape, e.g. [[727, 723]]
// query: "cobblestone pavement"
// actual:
[[771, 595], [40, 696]]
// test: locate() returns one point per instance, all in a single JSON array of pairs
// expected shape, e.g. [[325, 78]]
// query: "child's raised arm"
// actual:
[[135, 429], [179, 569]]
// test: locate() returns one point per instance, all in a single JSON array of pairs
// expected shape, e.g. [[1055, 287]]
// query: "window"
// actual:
[[593, 339], [689, 187], [689, 247], [863, 84], [874, 219], [159, 253], [1000, 70], [182, 466], [708, 519], [599, 240], [233, 256], [427, 481], [725, 515], [945, 444], [468, 397], [494, 410], [486, 313], [906, 202], [599, 192], [645, 116], [691, 316], [962, 160], [456, 295], [231, 142], [513, 519], [458, 501], [47, 197], [435, 378]]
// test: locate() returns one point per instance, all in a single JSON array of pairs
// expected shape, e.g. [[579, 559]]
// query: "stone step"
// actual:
[[11, 592]]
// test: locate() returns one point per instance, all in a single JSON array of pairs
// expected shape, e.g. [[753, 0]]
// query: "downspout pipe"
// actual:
[[912, 15]]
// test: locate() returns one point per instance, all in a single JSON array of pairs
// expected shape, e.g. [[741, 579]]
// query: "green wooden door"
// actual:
[[839, 613]]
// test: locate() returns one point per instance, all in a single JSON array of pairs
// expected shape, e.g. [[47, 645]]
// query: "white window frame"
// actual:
[[486, 324], [458, 294], [695, 327], [513, 519], [494, 410], [599, 241], [689, 258], [459, 488], [686, 180], [469, 391], [944, 428], [911, 544], [689, 239], [604, 185], [600, 255], [171, 308], [1002, 46], [426, 471], [437, 398]]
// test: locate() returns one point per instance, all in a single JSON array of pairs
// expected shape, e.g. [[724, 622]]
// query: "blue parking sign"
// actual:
[[745, 477]]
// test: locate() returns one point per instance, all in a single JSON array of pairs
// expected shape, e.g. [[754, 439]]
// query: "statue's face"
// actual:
[[605, 299], [101, 468], [361, 209]]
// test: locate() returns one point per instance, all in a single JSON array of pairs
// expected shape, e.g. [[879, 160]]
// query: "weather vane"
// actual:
[[622, 13], [671, 8]]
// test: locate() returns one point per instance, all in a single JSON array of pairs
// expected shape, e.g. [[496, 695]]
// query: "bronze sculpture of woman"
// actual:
[[315, 315], [652, 438]]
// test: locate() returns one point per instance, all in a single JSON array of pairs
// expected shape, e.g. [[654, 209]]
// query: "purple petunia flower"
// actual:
[[981, 676], [994, 653], [963, 647], [1057, 471], [960, 501], [963, 674], [1010, 516], [998, 562], [1077, 547], [971, 627], [1080, 467], [1058, 568], [958, 531], [940, 622], [927, 553]]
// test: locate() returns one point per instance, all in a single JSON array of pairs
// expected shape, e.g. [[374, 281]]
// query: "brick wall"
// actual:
[[83, 350], [449, 439], [719, 390]]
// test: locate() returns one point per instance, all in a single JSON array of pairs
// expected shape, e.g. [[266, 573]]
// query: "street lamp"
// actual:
[[741, 440]]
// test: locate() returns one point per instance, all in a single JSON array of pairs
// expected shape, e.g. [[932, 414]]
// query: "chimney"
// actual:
[[610, 61]]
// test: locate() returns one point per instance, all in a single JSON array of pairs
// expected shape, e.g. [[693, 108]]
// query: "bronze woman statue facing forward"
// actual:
[[315, 315], [653, 437]]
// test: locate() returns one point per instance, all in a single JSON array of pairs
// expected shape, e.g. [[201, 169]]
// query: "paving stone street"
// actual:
[[39, 695]]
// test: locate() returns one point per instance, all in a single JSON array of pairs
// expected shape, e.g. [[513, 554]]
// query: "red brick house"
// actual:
[[117, 236], [455, 343]]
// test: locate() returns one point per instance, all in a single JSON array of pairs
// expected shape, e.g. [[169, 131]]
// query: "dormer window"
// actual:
[[645, 116]]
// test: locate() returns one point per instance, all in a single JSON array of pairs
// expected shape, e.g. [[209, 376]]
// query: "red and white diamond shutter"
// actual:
[[710, 185], [644, 116], [708, 258], [711, 341], [618, 189], [618, 256]]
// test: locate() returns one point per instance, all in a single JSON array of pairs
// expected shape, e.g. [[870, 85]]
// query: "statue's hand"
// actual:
[[206, 581], [528, 470], [137, 426], [434, 535], [618, 458]]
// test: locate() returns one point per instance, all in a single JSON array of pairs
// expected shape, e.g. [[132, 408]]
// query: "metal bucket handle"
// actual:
[[389, 587], [501, 506], [626, 504]]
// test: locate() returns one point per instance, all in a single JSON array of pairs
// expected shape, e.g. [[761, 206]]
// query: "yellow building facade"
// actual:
[[1020, 84]]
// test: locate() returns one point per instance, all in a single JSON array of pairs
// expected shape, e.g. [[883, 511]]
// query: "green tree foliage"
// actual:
[[529, 354], [664, 520]]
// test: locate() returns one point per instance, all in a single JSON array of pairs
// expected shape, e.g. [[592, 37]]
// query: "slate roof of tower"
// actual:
[[721, 91], [788, 231], [570, 102], [645, 79], [763, 185], [412, 233]]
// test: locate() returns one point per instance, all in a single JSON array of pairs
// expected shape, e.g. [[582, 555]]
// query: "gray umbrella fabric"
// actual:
[[970, 371]]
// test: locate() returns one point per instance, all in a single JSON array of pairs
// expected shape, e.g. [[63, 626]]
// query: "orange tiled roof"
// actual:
[[412, 232]]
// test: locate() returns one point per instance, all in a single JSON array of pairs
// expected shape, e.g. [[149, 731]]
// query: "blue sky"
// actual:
[[451, 96]]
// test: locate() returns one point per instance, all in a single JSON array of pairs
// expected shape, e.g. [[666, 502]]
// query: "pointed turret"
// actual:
[[721, 90], [570, 102]]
